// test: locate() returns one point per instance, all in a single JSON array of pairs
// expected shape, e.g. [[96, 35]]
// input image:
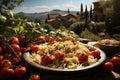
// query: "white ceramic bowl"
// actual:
[[34, 64]]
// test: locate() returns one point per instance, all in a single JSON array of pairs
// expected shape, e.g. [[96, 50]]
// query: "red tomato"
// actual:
[[14, 40], [0, 50], [1, 37], [34, 48], [96, 54], [22, 49], [5, 63], [1, 58], [52, 42], [20, 54], [109, 66], [40, 39], [6, 48], [83, 57], [59, 55], [34, 77], [7, 55], [115, 61], [20, 71], [47, 59], [71, 39], [16, 47], [7, 72], [49, 39], [22, 39], [59, 39], [15, 61]]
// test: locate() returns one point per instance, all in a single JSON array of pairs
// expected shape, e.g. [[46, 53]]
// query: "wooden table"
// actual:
[[97, 73]]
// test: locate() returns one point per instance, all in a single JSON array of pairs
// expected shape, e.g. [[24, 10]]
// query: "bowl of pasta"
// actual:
[[109, 46], [65, 56]]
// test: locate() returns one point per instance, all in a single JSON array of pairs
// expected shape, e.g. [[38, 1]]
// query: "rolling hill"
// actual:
[[43, 15]]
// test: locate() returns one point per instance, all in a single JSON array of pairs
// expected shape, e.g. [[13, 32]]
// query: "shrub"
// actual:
[[56, 24], [48, 27], [77, 27], [98, 26], [89, 35]]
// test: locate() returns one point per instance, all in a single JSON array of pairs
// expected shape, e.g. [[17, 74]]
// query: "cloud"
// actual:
[[42, 8]]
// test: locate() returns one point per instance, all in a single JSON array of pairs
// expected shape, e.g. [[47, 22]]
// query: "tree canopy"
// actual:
[[9, 4], [116, 13]]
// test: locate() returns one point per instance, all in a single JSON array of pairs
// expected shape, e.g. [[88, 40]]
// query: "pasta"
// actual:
[[64, 55]]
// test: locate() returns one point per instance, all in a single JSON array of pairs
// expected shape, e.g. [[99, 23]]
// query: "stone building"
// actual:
[[63, 19], [98, 11]]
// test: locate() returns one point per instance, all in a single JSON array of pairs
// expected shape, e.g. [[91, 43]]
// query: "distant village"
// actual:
[[98, 15]]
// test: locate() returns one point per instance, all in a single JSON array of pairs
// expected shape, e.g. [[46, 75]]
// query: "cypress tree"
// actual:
[[48, 17], [77, 13], [68, 11], [46, 20], [81, 10], [86, 16], [91, 13]]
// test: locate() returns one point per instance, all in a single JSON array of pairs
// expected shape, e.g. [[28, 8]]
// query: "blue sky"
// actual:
[[32, 6]]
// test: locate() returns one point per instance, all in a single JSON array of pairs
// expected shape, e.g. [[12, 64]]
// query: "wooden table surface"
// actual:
[[97, 73]]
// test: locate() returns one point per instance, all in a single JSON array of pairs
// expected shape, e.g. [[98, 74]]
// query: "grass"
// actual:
[[89, 35]]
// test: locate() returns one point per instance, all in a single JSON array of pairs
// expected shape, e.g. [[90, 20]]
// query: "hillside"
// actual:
[[43, 15]]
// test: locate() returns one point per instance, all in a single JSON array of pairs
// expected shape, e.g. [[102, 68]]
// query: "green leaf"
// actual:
[[3, 18], [18, 29]]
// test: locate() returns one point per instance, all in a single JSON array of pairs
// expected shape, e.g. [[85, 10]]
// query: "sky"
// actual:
[[36, 6]]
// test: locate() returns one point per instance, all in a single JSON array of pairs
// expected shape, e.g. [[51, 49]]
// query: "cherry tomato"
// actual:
[[1, 38], [47, 59], [20, 54], [16, 47], [52, 42], [49, 39], [1, 58], [34, 48], [71, 39], [59, 55], [0, 50], [96, 54], [20, 71], [22, 49], [22, 39], [7, 55], [115, 61], [7, 72], [6, 48], [34, 77], [5, 63], [40, 39], [15, 61], [109, 66], [14, 40], [83, 57], [59, 39]]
